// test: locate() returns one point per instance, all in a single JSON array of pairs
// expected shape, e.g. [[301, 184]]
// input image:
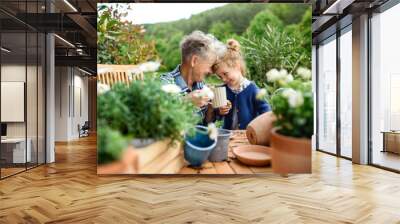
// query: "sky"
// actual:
[[143, 13]]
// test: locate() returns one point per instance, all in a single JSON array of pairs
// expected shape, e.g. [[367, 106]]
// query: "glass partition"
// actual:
[[327, 95], [346, 92], [385, 89], [13, 108], [22, 95]]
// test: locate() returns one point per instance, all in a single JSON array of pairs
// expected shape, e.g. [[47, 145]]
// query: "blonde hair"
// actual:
[[231, 56]]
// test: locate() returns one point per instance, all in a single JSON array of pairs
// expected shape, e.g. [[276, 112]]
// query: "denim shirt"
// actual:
[[175, 77]]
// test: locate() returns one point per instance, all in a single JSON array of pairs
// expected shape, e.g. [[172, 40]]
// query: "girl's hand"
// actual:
[[224, 110]]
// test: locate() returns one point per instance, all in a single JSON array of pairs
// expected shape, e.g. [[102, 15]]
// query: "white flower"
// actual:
[[289, 78], [272, 75], [281, 76], [212, 131], [261, 94], [150, 66], [171, 88], [304, 73], [295, 98], [283, 73], [285, 80], [102, 88]]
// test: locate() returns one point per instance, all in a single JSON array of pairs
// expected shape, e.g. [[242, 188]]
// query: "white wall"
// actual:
[[71, 94], [33, 127], [12, 73], [61, 103]]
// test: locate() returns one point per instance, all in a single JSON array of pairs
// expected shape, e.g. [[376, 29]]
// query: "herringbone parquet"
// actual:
[[69, 191]]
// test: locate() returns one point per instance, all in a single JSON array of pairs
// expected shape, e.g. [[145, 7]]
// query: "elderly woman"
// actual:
[[199, 53]]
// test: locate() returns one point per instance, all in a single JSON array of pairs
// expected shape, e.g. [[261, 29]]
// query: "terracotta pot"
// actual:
[[128, 164], [289, 154], [259, 130], [253, 155]]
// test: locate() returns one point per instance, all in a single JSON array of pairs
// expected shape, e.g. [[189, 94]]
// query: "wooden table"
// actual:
[[232, 165], [391, 141]]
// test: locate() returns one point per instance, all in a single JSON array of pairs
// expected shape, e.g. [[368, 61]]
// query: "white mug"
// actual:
[[219, 96]]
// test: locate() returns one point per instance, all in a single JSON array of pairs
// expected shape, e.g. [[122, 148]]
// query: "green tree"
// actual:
[[304, 29], [222, 30], [302, 32], [261, 20], [169, 51], [289, 13], [121, 42], [239, 15]]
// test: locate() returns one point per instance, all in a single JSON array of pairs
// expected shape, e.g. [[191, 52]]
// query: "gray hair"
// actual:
[[199, 43]]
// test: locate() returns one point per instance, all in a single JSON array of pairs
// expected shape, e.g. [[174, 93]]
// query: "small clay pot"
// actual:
[[128, 164], [258, 131], [253, 155], [290, 154]]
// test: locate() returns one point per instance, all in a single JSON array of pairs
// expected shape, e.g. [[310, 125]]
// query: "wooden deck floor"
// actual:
[[69, 191]]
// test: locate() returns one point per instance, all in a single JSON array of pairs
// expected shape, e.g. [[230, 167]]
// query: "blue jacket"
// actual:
[[248, 107]]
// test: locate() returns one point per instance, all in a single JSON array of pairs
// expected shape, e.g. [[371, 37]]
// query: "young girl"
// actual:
[[243, 106]]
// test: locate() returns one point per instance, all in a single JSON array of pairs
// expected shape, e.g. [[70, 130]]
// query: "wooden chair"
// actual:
[[111, 74]]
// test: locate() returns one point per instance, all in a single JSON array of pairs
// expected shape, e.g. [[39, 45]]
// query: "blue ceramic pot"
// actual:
[[198, 147]]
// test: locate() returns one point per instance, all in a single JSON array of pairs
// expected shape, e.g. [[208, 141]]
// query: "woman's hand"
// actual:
[[224, 110], [198, 99]]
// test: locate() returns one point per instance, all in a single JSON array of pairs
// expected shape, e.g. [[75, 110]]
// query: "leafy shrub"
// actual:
[[293, 107], [110, 144], [270, 43], [141, 110], [121, 42], [275, 49], [144, 110]]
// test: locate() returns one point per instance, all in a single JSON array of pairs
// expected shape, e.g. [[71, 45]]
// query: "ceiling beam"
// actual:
[[89, 30]]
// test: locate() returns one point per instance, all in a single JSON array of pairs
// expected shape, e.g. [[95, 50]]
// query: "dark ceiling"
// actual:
[[72, 20], [75, 21], [330, 15]]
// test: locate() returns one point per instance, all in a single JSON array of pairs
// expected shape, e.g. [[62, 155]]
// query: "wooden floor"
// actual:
[[10, 171], [387, 159], [69, 191]]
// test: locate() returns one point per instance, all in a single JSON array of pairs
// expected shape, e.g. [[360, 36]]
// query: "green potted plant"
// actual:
[[151, 118], [290, 137]]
